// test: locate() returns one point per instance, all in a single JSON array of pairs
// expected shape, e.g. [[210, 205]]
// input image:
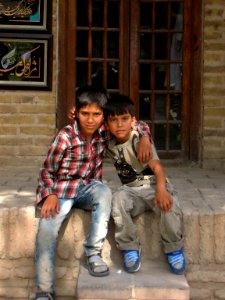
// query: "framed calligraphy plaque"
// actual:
[[25, 14], [25, 62]]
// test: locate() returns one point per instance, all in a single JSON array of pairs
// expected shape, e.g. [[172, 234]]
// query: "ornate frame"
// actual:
[[25, 15], [25, 61]]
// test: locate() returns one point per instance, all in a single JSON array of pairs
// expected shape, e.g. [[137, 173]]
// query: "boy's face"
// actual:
[[120, 126], [90, 119]]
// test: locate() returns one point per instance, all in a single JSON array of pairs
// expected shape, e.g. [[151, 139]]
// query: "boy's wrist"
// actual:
[[160, 187], [144, 134]]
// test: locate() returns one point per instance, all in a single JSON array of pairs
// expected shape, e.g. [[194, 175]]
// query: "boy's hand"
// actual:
[[72, 113], [164, 200], [144, 149], [50, 207]]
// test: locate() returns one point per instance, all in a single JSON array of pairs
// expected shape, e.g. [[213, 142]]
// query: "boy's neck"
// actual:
[[118, 142], [88, 138]]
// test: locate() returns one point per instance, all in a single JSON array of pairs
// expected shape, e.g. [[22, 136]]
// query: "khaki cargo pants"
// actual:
[[129, 202]]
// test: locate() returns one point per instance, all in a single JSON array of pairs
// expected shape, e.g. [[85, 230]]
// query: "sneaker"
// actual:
[[44, 296], [176, 261], [131, 260]]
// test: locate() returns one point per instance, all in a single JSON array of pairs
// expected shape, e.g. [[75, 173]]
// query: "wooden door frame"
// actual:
[[66, 61], [193, 86], [66, 75]]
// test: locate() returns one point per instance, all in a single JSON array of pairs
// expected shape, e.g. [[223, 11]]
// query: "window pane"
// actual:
[[82, 13], [144, 107], [145, 15], [175, 107], [97, 13], [161, 46], [97, 73], [161, 15], [82, 71], [176, 47], [113, 44], [97, 44], [145, 76], [176, 77], [159, 136], [113, 14], [145, 46], [82, 43], [113, 75], [175, 137], [160, 107], [177, 16], [160, 77]]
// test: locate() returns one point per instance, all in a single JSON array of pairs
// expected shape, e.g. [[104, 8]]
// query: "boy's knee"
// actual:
[[121, 201], [104, 189], [119, 195], [176, 204], [103, 197]]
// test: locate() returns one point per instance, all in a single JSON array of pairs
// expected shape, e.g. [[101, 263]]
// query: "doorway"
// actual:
[[142, 48]]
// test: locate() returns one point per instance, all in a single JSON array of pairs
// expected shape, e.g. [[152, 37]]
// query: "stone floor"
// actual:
[[17, 186]]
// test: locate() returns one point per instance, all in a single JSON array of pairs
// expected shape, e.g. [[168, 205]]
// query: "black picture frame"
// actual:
[[26, 15], [25, 61]]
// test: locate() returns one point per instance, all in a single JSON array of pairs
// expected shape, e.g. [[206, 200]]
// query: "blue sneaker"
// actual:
[[44, 296], [131, 260], [176, 261]]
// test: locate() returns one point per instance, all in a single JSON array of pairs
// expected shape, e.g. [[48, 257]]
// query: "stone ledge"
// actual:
[[153, 282], [18, 231]]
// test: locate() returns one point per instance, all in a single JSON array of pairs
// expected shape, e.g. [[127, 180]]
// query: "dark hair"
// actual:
[[119, 104], [90, 94]]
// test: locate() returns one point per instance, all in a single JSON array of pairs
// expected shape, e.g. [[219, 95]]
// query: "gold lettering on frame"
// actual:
[[21, 9], [23, 67]]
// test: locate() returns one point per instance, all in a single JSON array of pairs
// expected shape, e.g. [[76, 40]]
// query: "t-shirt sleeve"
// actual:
[[154, 153]]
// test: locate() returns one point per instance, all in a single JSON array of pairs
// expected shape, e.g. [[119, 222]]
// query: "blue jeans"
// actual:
[[95, 197]]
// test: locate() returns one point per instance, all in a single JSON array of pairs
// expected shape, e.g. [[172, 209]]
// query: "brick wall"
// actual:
[[28, 118], [214, 84]]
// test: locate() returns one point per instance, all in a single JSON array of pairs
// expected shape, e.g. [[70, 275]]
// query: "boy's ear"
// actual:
[[106, 124], [133, 121], [76, 114]]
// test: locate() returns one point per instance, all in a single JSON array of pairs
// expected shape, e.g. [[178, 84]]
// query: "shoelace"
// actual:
[[131, 257]]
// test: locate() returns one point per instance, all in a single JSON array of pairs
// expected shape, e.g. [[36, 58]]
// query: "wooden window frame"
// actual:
[[193, 88]]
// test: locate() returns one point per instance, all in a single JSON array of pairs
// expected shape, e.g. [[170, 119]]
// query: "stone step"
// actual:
[[202, 201], [153, 282]]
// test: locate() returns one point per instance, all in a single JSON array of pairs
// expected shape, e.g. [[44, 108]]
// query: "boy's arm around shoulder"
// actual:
[[163, 198], [144, 151]]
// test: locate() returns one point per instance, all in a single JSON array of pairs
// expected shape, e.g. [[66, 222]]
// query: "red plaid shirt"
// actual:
[[72, 160]]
